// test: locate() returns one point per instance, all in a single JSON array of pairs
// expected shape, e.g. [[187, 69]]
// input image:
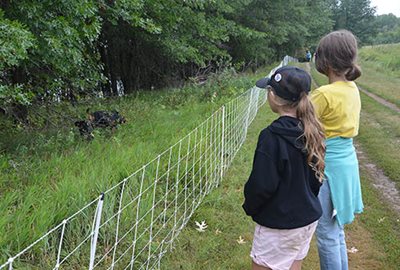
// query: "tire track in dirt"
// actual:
[[380, 100]]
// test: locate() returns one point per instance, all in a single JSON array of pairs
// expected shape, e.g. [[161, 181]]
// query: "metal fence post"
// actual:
[[223, 142], [95, 230]]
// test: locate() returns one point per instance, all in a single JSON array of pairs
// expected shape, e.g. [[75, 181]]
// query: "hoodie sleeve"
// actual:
[[262, 183]]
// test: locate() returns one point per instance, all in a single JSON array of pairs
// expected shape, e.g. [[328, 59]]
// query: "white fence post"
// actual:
[[95, 230], [60, 245], [222, 142], [117, 228]]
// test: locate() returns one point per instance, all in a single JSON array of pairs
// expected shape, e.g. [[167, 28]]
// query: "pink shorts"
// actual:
[[278, 249]]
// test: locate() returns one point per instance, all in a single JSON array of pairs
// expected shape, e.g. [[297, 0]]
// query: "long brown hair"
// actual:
[[338, 51], [313, 135], [313, 132]]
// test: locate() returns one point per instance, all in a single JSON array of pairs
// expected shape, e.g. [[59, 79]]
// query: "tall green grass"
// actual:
[[380, 136], [385, 58], [48, 175], [381, 71]]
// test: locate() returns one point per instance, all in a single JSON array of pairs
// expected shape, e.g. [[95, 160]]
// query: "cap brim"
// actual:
[[263, 83]]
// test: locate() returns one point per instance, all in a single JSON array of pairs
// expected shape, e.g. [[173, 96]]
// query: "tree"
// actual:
[[356, 16], [286, 26], [61, 58], [15, 41], [388, 28], [66, 50]]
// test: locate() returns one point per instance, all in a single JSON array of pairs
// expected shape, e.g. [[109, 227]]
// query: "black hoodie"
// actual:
[[282, 189]]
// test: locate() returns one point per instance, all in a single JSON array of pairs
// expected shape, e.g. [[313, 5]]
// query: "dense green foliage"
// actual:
[[52, 50], [388, 28], [356, 16], [71, 50]]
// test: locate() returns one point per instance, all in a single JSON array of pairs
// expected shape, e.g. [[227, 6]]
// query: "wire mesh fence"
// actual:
[[134, 223]]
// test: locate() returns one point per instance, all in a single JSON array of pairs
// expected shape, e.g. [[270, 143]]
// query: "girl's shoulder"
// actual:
[[266, 140], [325, 89], [264, 136], [336, 89], [339, 85]]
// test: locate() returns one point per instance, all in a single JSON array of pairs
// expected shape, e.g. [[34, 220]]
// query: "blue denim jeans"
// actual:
[[330, 235]]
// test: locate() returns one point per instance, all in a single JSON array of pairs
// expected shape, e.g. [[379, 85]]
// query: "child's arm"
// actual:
[[262, 183], [320, 103]]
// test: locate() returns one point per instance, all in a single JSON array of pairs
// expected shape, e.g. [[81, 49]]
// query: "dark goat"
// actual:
[[102, 119], [106, 119], [85, 128]]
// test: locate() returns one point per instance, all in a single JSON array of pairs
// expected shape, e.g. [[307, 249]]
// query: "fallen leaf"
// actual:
[[352, 250], [201, 227], [240, 240]]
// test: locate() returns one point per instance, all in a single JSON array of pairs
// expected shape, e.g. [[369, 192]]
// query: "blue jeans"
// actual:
[[330, 235]]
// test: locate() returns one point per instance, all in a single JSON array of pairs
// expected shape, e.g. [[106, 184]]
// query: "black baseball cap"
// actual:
[[288, 82]]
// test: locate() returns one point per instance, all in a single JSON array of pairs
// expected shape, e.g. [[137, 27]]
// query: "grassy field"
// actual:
[[381, 68], [47, 175]]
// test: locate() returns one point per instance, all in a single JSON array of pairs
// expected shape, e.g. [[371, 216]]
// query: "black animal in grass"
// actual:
[[99, 119], [85, 128], [105, 119]]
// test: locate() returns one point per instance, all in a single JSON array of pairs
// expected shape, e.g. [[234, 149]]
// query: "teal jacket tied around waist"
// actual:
[[341, 170]]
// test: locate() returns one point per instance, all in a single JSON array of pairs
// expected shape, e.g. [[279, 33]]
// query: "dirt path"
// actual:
[[381, 182], [382, 101]]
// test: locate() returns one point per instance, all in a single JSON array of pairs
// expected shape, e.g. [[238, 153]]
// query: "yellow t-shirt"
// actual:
[[338, 107]]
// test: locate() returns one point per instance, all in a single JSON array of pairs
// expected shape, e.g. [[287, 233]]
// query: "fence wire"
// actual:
[[135, 222]]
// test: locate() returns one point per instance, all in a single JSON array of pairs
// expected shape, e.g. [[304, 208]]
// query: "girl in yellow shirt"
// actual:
[[338, 108]]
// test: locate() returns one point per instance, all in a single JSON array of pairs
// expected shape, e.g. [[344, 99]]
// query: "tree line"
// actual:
[[71, 49]]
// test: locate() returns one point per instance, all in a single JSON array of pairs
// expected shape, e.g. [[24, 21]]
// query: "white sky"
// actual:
[[386, 7]]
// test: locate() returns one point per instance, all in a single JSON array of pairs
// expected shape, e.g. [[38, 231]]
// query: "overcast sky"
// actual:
[[387, 6]]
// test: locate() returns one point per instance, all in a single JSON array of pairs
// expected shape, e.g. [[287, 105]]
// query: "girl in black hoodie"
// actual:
[[281, 192]]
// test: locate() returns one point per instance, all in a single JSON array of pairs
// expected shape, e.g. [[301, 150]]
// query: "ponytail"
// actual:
[[313, 136], [353, 73]]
